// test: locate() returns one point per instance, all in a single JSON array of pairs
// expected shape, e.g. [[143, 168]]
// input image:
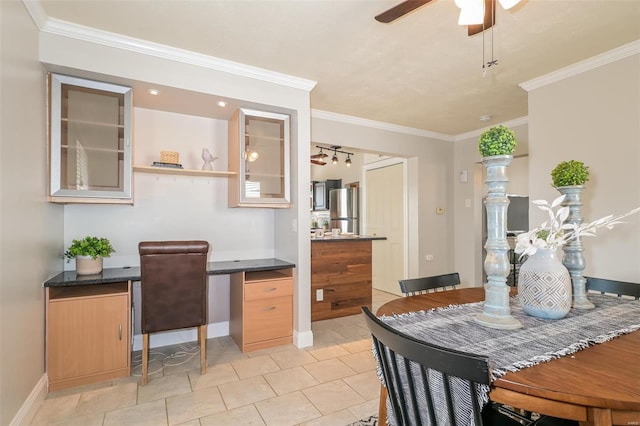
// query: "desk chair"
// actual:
[[174, 291], [619, 288], [421, 376], [413, 286]]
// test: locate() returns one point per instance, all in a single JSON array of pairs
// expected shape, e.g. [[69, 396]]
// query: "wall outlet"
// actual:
[[319, 295]]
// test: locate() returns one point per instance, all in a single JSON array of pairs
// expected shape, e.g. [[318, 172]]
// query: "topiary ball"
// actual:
[[498, 140]]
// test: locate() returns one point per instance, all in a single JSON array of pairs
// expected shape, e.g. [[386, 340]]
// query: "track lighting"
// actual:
[[319, 158]]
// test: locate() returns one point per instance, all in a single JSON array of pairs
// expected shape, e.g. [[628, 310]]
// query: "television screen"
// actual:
[[518, 214]]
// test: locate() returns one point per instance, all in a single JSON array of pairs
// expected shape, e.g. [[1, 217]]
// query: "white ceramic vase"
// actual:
[[544, 286], [86, 265]]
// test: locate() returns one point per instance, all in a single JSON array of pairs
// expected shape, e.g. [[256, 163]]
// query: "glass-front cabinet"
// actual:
[[90, 142], [259, 154]]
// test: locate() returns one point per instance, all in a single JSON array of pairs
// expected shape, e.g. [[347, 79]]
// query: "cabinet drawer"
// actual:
[[268, 319], [268, 289]]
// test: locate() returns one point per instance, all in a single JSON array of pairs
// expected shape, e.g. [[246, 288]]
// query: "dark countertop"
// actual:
[[112, 275], [341, 239]]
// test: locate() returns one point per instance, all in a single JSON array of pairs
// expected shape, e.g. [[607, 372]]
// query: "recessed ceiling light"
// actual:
[[154, 92], [486, 118], [222, 103]]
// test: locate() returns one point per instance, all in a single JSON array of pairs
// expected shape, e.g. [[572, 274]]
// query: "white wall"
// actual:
[[430, 185], [30, 228], [594, 117]]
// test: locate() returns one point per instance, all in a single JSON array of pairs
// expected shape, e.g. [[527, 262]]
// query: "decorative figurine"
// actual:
[[208, 158]]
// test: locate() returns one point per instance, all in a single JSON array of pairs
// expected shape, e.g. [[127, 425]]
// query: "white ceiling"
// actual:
[[421, 71]]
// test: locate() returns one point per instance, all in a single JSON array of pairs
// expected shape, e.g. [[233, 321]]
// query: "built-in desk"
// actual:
[[88, 317]]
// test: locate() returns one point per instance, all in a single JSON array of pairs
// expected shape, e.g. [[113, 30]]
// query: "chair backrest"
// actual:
[[173, 284], [619, 288], [412, 286], [426, 383]]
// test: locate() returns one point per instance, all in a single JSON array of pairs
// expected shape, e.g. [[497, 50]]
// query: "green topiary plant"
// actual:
[[89, 246], [498, 140], [570, 173]]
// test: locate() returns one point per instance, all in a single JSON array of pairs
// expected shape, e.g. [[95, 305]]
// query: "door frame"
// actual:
[[405, 203]]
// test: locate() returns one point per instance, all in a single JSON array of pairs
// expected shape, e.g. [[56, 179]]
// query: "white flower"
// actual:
[[555, 232]]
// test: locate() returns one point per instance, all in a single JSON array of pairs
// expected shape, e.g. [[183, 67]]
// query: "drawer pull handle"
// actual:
[[271, 289], [270, 308], [120, 332]]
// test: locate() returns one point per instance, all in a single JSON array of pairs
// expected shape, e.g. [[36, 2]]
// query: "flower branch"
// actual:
[[555, 233]]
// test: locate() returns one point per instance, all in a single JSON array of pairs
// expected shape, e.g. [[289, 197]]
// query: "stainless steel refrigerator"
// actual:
[[344, 208]]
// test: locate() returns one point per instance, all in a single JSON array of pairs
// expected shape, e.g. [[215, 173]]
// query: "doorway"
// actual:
[[385, 215]]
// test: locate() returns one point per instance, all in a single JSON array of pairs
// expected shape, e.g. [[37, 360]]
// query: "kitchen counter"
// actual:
[[341, 275]]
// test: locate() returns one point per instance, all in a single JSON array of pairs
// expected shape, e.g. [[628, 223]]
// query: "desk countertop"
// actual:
[[111, 275]]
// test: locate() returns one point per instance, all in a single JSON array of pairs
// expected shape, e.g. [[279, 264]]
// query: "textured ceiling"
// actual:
[[421, 71]]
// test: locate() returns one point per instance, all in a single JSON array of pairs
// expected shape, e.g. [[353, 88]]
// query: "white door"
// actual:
[[385, 217]]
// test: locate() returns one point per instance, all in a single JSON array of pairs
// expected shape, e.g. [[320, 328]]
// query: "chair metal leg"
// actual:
[[145, 358], [202, 336]]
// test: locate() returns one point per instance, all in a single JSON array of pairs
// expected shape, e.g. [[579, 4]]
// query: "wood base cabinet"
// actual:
[[88, 334], [341, 280], [261, 309]]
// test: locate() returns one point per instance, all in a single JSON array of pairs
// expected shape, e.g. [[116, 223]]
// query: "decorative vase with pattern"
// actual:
[[544, 286]]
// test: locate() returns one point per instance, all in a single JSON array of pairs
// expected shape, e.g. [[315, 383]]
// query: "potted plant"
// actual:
[[88, 253], [498, 140], [570, 173]]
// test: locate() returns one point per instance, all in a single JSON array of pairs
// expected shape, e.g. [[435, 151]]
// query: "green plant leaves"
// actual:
[[89, 246], [570, 173], [498, 140]]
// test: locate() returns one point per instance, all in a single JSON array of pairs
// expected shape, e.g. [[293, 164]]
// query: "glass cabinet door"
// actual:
[[90, 141], [260, 145]]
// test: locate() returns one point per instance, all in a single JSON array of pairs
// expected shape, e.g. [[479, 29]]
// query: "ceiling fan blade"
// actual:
[[400, 10], [489, 18]]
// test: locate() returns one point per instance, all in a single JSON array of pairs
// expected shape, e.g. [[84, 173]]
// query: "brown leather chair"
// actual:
[[174, 291]]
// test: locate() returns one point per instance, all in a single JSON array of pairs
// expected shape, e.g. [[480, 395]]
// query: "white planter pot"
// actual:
[[86, 265], [544, 286]]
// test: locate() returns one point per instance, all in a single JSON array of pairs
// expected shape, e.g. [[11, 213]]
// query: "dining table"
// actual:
[[597, 386]]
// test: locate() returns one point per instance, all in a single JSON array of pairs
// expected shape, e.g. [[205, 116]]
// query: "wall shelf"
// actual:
[[186, 172]]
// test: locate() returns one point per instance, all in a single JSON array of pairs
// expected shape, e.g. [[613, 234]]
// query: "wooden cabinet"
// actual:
[[340, 277], [90, 141], [88, 334], [259, 155], [261, 309]]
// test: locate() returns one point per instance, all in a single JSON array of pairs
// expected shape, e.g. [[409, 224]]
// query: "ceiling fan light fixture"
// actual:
[[508, 4], [471, 12]]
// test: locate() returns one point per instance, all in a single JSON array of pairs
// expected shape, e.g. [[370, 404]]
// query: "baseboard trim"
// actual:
[[303, 340], [28, 410], [167, 338]]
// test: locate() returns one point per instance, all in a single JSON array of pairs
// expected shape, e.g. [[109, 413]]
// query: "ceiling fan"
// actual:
[[410, 5]]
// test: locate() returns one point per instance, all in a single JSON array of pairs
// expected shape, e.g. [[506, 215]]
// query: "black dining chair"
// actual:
[[413, 286], [173, 285], [429, 384], [619, 288]]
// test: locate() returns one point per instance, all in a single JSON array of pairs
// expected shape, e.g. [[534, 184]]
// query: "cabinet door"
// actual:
[[90, 141], [320, 196], [87, 336], [259, 153]]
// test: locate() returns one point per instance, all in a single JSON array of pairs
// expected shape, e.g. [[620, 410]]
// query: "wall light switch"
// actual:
[[464, 176], [319, 295]]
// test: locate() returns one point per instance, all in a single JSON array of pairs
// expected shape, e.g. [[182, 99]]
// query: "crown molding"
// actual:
[[476, 133], [613, 55], [349, 119], [119, 41]]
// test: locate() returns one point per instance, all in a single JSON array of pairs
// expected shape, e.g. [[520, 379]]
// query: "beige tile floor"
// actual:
[[332, 383]]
